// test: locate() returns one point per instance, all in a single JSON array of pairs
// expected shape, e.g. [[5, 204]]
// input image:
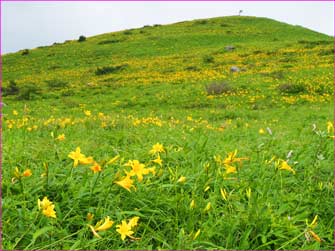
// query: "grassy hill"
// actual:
[[202, 89]]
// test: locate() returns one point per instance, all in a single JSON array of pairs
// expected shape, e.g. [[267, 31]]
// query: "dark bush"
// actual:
[[56, 84], [291, 88], [127, 32], [112, 41], [208, 59], [67, 92], [109, 69], [82, 38], [192, 68], [218, 88], [224, 25], [201, 22], [11, 89], [28, 91], [326, 52], [25, 52]]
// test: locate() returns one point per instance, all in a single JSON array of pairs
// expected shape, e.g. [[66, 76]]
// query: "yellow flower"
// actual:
[[96, 168], [133, 221], [208, 207], [315, 236], [113, 160], [182, 179], [248, 193], [224, 194], [231, 158], [157, 148], [285, 166], [17, 173], [192, 205], [101, 226], [50, 211], [330, 127], [138, 169], [230, 169], [44, 203], [196, 234], [27, 173], [126, 182], [15, 113], [86, 160], [87, 113], [104, 226], [158, 160], [261, 131], [61, 137], [124, 230], [47, 207], [76, 156], [89, 216]]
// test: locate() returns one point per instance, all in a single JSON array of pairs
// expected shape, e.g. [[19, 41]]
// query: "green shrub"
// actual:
[[112, 41], [201, 22], [82, 38], [56, 84], [218, 88], [67, 92], [109, 69], [208, 59], [11, 89], [127, 32], [25, 52], [291, 88], [28, 91]]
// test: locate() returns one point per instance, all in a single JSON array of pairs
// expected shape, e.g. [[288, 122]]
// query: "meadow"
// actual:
[[205, 134]]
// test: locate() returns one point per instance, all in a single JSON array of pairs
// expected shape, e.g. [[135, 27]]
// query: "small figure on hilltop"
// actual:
[[240, 12]]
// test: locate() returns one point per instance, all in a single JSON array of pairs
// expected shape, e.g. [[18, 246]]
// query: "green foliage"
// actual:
[[11, 89], [56, 84], [82, 38], [207, 59], [218, 88], [28, 91], [25, 52], [292, 88], [110, 69]]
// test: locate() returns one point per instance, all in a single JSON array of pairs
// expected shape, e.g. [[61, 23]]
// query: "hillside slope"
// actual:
[[169, 53], [206, 134]]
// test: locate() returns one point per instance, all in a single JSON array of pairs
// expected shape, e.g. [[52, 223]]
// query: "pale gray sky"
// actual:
[[32, 24]]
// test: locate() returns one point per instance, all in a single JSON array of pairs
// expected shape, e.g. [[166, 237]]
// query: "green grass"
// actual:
[[151, 88]]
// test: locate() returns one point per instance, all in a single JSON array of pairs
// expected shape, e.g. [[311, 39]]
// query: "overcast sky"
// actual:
[[32, 24]]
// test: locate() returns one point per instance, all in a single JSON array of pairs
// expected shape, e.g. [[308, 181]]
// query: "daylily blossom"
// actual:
[[125, 229], [285, 166], [158, 160], [101, 226], [157, 148], [196, 234], [27, 173], [138, 169], [126, 182], [76, 156], [61, 137], [47, 207], [96, 167], [182, 179]]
